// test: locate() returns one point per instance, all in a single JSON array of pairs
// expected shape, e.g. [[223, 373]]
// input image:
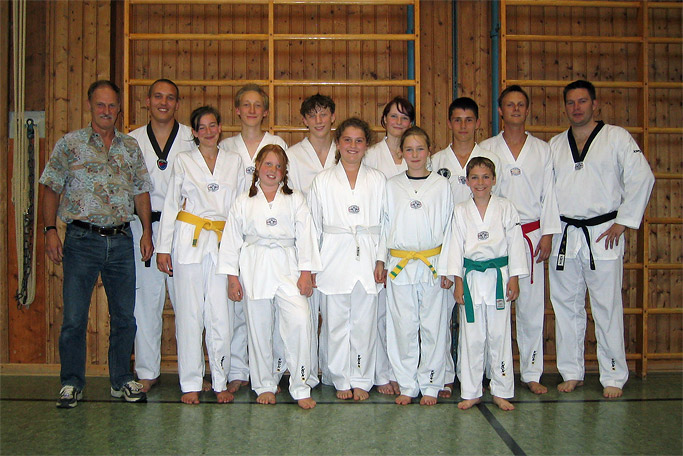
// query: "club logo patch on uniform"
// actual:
[[162, 164], [515, 171], [578, 166], [483, 235], [415, 204], [213, 187], [271, 221], [250, 170], [445, 172], [462, 180], [353, 209]]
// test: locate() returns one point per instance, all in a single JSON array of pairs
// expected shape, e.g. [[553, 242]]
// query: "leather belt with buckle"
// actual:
[[102, 230]]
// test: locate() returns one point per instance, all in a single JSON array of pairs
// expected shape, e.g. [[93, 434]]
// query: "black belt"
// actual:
[[583, 224], [102, 230]]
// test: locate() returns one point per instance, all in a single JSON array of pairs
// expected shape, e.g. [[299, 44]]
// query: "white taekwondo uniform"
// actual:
[[417, 217], [201, 294], [528, 182], [269, 244], [613, 176], [239, 364], [150, 291], [348, 221], [499, 234]]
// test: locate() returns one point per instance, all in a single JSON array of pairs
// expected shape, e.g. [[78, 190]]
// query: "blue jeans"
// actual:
[[86, 255]]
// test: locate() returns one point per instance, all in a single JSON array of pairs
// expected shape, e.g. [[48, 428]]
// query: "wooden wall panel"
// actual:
[[4, 152]]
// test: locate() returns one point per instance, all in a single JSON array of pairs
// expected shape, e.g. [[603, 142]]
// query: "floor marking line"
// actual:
[[500, 430]]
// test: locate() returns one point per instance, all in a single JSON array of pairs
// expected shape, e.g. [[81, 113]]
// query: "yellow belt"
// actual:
[[408, 255], [201, 224]]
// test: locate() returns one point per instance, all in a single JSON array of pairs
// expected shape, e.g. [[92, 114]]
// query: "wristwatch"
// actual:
[[48, 228]]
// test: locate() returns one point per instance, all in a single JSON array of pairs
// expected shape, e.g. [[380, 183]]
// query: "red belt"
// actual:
[[528, 228]]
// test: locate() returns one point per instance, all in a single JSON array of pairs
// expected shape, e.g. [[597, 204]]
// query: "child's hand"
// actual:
[[235, 292], [512, 292], [164, 263], [380, 273], [446, 283], [459, 293], [305, 283]]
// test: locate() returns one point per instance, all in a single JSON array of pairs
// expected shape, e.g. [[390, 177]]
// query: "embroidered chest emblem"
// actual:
[[578, 166], [162, 164], [462, 180], [483, 235], [272, 221], [250, 170], [353, 209], [213, 187], [515, 171], [445, 172], [415, 204]]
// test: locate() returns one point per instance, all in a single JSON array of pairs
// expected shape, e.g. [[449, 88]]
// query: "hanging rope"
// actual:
[[24, 184]]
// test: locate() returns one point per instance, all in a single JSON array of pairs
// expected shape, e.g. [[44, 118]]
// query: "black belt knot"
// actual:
[[102, 230], [583, 224]]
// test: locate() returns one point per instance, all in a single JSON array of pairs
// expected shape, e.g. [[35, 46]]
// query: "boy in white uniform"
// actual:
[[451, 162], [416, 223], [306, 160], [271, 241], [386, 156], [346, 202], [251, 106], [160, 141], [487, 257], [603, 183], [526, 179]]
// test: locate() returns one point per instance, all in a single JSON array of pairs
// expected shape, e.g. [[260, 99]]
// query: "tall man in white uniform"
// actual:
[[603, 183], [160, 141], [307, 158], [526, 179], [451, 162]]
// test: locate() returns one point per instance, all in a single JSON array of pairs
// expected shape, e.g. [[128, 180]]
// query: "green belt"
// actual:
[[481, 266]]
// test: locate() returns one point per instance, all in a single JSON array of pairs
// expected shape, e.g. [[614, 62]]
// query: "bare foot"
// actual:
[[569, 386], [147, 384], [428, 400], [266, 398], [446, 391], [344, 394], [224, 397], [234, 386], [394, 385], [503, 404], [387, 388], [307, 403], [536, 388], [191, 398], [403, 399], [360, 394], [468, 403], [206, 385], [611, 392]]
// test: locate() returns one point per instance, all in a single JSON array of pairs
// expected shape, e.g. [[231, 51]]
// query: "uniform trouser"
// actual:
[[202, 304], [352, 338], [529, 316], [491, 333], [294, 328], [239, 358], [87, 255], [383, 368], [322, 338], [448, 343], [416, 333], [150, 297], [568, 297]]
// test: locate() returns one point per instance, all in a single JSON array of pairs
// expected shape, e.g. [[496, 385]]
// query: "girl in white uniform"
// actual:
[[271, 241], [347, 204], [203, 186], [417, 218], [251, 107], [487, 256], [387, 157]]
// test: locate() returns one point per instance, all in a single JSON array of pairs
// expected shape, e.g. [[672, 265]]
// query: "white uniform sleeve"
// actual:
[[382, 250], [172, 205], [456, 246], [637, 179], [315, 206], [232, 240], [308, 253], [442, 266], [550, 212], [517, 262]]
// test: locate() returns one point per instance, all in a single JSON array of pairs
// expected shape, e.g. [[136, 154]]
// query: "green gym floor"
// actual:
[[647, 420]]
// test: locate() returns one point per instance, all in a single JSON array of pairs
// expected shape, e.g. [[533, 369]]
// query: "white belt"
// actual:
[[269, 242], [354, 231]]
